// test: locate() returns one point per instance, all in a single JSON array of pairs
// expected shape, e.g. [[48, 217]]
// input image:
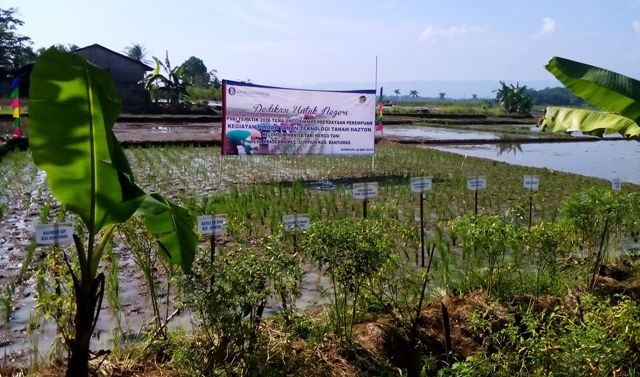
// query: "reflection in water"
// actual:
[[507, 145]]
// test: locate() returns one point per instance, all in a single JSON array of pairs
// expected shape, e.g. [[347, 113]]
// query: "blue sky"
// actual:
[[304, 43]]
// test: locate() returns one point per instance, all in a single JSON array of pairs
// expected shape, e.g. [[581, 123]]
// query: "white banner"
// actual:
[[268, 120]]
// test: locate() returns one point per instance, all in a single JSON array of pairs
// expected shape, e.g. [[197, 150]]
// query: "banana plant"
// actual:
[[616, 99], [514, 99], [73, 106], [169, 83]]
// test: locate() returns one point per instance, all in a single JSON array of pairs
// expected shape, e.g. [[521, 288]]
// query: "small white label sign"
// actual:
[[54, 234], [420, 184], [616, 184], [212, 224], [295, 222], [531, 182], [365, 190], [477, 182]]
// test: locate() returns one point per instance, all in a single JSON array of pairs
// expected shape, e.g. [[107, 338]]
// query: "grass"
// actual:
[[479, 107]]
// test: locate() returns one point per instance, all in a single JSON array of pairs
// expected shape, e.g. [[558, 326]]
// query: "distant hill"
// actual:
[[432, 88]]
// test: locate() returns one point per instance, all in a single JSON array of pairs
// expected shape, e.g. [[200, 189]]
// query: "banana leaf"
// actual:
[[589, 122], [609, 91], [601, 88], [73, 106], [172, 227]]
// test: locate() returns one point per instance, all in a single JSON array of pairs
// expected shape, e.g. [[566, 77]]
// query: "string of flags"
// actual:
[[379, 113], [15, 106]]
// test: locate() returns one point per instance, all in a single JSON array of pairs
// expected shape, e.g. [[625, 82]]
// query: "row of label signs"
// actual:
[[62, 233], [216, 224]]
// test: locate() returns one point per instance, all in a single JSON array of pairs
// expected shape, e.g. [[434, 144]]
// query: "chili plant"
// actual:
[[73, 106], [550, 245], [491, 252], [351, 252], [601, 218], [230, 311]]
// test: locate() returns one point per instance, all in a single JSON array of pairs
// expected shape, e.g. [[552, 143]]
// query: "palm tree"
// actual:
[[397, 93], [137, 52], [413, 94], [442, 95], [474, 97]]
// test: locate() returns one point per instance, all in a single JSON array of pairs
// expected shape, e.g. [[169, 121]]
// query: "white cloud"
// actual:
[[548, 26], [254, 14], [636, 26], [433, 33]]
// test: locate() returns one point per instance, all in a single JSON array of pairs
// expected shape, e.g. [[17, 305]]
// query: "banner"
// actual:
[[259, 120]]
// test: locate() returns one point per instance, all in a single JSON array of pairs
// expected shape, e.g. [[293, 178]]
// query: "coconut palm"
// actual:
[[442, 95], [413, 94], [397, 93], [137, 52], [616, 97]]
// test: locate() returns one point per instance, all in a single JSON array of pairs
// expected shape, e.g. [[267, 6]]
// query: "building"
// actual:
[[127, 74]]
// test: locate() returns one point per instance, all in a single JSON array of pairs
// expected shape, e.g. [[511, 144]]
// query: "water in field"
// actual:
[[607, 159], [432, 133], [602, 159]]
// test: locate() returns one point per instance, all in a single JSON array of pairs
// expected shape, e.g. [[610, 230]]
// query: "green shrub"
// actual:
[[352, 252], [592, 339]]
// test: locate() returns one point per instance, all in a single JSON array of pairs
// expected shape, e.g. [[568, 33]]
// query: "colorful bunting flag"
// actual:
[[379, 115], [15, 105]]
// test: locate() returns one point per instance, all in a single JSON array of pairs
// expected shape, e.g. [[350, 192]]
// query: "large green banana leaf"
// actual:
[[172, 226], [590, 122], [73, 106], [606, 90]]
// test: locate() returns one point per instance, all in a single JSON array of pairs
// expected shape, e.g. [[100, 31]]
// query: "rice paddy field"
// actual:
[[255, 192]]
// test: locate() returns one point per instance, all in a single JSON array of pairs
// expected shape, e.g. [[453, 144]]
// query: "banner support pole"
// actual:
[[375, 86]]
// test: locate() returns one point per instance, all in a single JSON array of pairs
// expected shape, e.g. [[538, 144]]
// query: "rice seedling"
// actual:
[[256, 192]]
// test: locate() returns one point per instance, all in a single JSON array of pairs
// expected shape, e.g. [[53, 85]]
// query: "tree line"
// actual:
[[514, 98], [191, 80]]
